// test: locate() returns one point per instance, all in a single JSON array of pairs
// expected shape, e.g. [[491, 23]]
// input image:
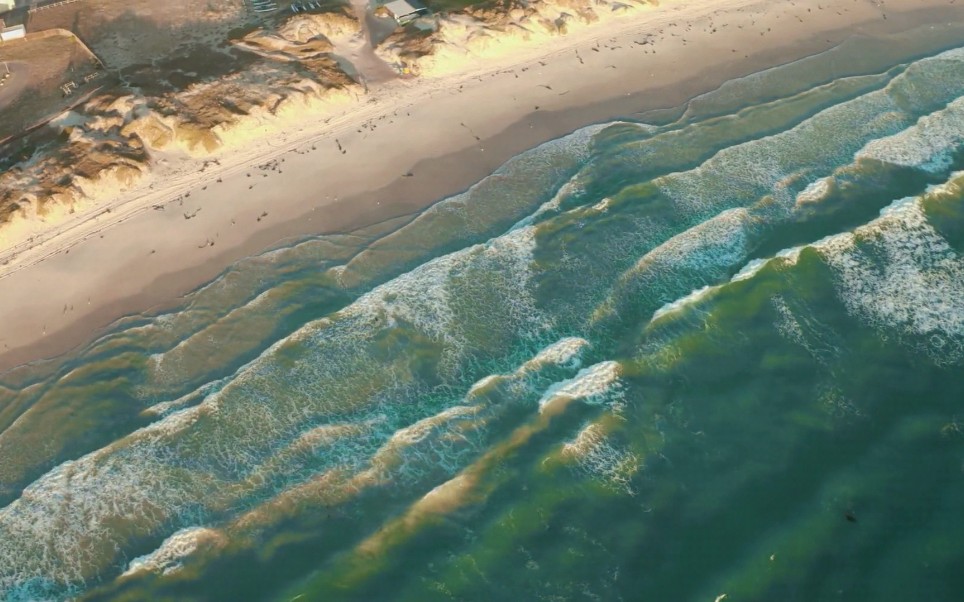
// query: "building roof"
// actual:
[[404, 8]]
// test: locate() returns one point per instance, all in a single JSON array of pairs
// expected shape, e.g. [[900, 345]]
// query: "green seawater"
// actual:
[[714, 351]]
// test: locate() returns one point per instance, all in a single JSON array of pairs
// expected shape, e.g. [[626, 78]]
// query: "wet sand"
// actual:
[[406, 145]]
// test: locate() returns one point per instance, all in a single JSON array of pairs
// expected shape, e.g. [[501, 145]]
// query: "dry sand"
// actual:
[[182, 225]]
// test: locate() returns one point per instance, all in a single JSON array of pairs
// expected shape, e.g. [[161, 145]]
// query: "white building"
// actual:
[[405, 11], [12, 33]]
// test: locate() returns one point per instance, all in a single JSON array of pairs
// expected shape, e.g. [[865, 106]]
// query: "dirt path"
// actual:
[[369, 66]]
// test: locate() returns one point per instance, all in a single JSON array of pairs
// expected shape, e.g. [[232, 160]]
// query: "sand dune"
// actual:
[[495, 33]]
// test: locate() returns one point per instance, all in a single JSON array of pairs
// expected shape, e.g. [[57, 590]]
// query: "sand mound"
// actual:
[[333, 26], [90, 163], [302, 37], [210, 116], [290, 70], [189, 103], [492, 31]]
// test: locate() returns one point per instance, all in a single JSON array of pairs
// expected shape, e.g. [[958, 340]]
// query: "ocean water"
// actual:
[[711, 351]]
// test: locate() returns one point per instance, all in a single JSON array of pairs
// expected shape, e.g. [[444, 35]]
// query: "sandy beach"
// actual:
[[390, 153]]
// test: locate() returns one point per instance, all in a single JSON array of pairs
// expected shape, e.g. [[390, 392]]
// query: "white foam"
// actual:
[[750, 270], [426, 298], [818, 340], [92, 505], [575, 146], [564, 352], [438, 442], [165, 408], [792, 254], [707, 251], [690, 299], [597, 457], [591, 385], [223, 453], [178, 420], [483, 384], [767, 165], [418, 431], [566, 190], [953, 186], [328, 434], [815, 192], [787, 323], [929, 144], [715, 244], [710, 249], [789, 255], [900, 275], [170, 555], [584, 441], [603, 205]]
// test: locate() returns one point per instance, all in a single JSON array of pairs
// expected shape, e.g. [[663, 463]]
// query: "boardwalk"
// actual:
[[34, 9], [260, 6]]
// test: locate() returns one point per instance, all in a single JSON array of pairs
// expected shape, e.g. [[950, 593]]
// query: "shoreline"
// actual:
[[146, 259]]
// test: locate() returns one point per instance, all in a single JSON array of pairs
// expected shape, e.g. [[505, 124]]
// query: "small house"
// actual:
[[12, 33], [405, 11]]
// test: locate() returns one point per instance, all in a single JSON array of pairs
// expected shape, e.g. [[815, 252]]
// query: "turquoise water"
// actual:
[[711, 351]]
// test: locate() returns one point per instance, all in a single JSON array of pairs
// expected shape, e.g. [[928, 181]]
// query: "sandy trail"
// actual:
[[370, 67]]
